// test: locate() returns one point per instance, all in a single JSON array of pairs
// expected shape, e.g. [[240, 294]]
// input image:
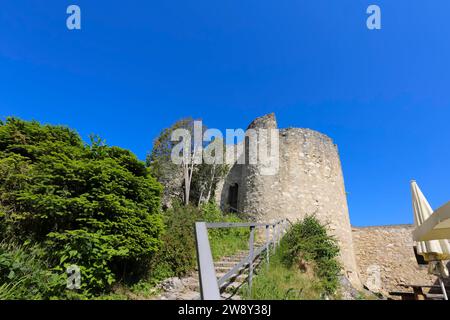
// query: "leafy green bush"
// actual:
[[308, 241], [25, 274], [178, 254], [90, 205]]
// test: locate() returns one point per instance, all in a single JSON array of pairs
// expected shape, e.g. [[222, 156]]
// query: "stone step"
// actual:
[[235, 260], [190, 288], [223, 269], [228, 266], [225, 264], [226, 260], [236, 277], [237, 256]]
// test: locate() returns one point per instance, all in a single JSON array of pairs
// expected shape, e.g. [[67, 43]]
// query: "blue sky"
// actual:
[[138, 66]]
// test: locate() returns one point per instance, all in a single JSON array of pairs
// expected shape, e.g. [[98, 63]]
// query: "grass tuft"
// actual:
[[280, 282]]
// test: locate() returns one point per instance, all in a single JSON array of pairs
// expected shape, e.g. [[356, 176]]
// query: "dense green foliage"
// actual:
[[64, 202], [25, 273], [308, 241], [178, 253], [91, 205]]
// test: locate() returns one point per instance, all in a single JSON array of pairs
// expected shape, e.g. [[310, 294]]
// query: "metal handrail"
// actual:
[[209, 285]]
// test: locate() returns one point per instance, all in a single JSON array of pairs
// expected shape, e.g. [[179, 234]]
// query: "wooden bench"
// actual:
[[419, 294], [403, 294]]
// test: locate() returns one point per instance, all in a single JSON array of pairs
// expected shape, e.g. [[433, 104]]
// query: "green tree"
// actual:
[[188, 181], [172, 176], [91, 205], [207, 175]]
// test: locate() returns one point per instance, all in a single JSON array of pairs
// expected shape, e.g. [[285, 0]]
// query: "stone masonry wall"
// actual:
[[309, 182], [390, 250]]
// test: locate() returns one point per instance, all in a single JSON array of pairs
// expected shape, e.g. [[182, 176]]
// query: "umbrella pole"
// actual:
[[441, 282]]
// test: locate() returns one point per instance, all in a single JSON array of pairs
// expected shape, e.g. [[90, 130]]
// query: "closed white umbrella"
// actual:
[[433, 251], [435, 227]]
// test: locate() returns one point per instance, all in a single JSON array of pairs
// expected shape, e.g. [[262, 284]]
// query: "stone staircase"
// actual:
[[187, 288]]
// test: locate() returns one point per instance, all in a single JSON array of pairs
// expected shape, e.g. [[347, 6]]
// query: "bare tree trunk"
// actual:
[[212, 182], [186, 183], [188, 171], [202, 188]]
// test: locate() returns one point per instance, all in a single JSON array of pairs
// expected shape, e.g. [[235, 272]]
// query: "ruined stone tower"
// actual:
[[309, 181]]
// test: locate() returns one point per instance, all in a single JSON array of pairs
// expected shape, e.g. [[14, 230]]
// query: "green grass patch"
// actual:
[[280, 282], [305, 266], [227, 242]]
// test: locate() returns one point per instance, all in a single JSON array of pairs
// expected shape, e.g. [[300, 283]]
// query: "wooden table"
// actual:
[[419, 294]]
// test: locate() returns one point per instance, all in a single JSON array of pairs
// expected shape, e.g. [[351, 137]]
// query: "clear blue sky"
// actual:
[[138, 66]]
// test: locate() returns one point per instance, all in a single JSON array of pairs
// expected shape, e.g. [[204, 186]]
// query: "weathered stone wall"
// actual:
[[390, 250], [223, 187], [309, 181]]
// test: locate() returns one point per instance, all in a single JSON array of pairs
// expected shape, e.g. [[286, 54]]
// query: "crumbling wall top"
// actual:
[[267, 121]]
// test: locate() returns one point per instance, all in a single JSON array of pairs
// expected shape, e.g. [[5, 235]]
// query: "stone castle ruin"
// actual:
[[309, 181]]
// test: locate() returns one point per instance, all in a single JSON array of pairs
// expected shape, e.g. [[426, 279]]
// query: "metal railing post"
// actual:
[[267, 244], [278, 233], [250, 271], [274, 237], [209, 289]]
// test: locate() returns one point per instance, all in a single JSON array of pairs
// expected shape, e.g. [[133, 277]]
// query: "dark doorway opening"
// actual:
[[233, 197]]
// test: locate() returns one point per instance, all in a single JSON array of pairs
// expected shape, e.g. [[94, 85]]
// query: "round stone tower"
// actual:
[[309, 181], [256, 186]]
